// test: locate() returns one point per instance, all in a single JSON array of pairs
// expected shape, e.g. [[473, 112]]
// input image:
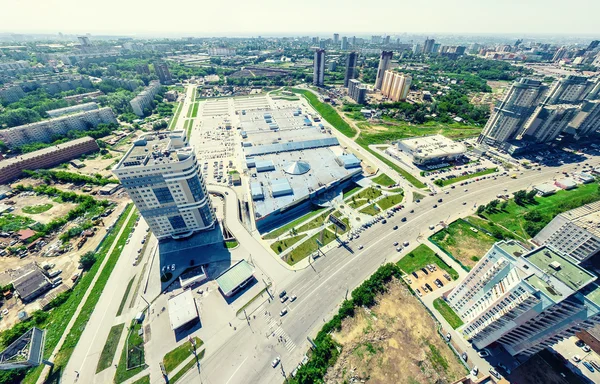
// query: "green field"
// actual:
[[59, 317], [35, 209], [448, 313], [351, 191], [13, 223], [143, 380], [124, 299], [496, 231], [527, 220], [394, 130], [368, 194], [176, 356], [371, 209], [185, 368], [110, 347], [327, 112], [282, 245], [384, 180], [308, 247], [282, 230], [422, 256], [175, 117], [443, 183], [231, 244], [462, 243], [390, 201], [195, 109]]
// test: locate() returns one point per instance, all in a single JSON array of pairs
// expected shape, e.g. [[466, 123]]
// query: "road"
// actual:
[[246, 355]]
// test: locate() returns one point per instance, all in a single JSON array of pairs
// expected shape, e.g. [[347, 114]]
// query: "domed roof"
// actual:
[[297, 168]]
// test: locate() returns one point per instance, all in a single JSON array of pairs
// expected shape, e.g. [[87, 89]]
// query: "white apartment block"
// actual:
[[395, 85], [44, 131], [575, 233], [74, 108], [11, 93], [525, 300], [162, 176], [144, 99]]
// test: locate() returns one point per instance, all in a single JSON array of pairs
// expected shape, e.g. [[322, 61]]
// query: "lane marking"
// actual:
[[234, 372]]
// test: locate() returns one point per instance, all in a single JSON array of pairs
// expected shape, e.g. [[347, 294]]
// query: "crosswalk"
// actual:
[[276, 332]]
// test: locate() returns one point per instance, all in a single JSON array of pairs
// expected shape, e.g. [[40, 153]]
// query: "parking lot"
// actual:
[[428, 279]]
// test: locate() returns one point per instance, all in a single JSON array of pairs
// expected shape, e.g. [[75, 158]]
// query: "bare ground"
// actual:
[[395, 342], [57, 210]]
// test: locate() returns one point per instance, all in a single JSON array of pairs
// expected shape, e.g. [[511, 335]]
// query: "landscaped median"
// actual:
[[173, 122], [176, 356], [132, 359], [443, 183], [110, 347]]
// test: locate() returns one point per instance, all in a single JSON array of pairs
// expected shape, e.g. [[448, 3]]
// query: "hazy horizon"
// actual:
[[272, 18]]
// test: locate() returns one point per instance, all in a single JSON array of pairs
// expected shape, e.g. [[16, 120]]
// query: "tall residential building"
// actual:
[[510, 114], [143, 101], [350, 67], [162, 71], [395, 85], [336, 38], [525, 300], [560, 54], [384, 65], [547, 122], [428, 46], [84, 41], [162, 176], [44, 131], [11, 93], [344, 45], [357, 91], [319, 68], [569, 90], [142, 69], [575, 233], [593, 45], [586, 121]]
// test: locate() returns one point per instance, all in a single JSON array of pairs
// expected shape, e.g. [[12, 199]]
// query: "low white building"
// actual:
[[431, 149]]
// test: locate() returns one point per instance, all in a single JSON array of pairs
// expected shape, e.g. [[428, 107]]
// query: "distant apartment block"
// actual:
[[142, 69], [547, 122], [72, 109], [162, 71], [525, 300], [319, 68], [350, 67], [384, 65], [357, 91], [12, 168], [82, 96], [163, 178], [575, 233], [14, 65], [129, 84], [395, 85], [11, 94], [144, 99], [44, 131], [428, 46]]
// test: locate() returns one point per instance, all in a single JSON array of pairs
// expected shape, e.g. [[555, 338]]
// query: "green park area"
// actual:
[[110, 347], [281, 245], [371, 210], [447, 313], [132, 359], [173, 122], [285, 228], [422, 256], [314, 223], [309, 246], [390, 201], [363, 197], [35, 209]]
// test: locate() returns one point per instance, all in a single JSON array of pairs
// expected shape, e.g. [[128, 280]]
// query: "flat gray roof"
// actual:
[[182, 309], [234, 276]]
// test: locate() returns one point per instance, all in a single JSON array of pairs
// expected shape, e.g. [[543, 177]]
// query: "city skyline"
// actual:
[[552, 17]]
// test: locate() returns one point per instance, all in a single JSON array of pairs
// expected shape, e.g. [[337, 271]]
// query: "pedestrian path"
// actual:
[[277, 332]]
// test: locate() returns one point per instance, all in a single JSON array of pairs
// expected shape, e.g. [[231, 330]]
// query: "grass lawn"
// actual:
[[143, 380], [384, 180], [35, 209], [59, 317], [282, 245], [368, 193], [124, 299], [420, 257], [308, 247], [351, 191], [546, 208], [371, 209], [135, 345], [390, 201], [357, 203], [176, 356], [315, 223], [327, 112], [195, 109], [417, 196], [110, 347], [496, 230], [12, 223], [185, 368], [448, 313], [391, 130], [175, 117], [462, 243], [281, 230], [231, 244], [443, 183]]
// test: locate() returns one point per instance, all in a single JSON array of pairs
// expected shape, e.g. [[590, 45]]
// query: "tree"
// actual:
[[87, 260], [531, 195], [520, 197], [503, 205], [480, 209]]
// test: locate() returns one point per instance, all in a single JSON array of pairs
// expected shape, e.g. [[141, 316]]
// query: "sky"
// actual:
[[300, 17]]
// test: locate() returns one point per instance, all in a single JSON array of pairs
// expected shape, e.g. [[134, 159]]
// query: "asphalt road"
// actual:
[[246, 356]]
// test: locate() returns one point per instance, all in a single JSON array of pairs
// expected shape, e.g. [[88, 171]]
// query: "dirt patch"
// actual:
[[57, 210], [394, 342]]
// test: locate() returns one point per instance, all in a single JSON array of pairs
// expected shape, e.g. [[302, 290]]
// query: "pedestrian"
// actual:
[[230, 324]]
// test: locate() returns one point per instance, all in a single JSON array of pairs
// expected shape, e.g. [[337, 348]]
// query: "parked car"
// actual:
[[282, 294], [576, 358], [588, 366], [276, 361], [284, 299], [293, 298], [395, 227], [483, 353], [464, 356], [283, 312], [495, 373], [474, 371]]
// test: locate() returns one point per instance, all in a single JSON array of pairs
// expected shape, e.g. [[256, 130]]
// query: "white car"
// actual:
[[586, 348], [484, 353], [293, 298], [283, 312], [576, 358], [4, 312], [360, 246], [474, 371], [275, 362]]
